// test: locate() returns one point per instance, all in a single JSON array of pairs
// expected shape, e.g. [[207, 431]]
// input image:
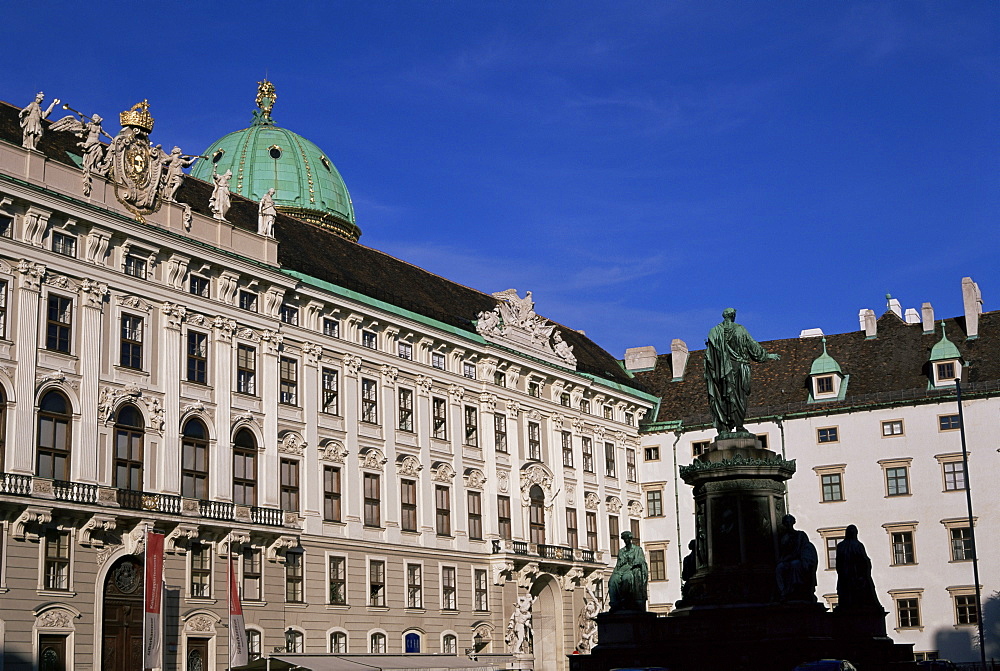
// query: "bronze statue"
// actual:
[[797, 562], [728, 353], [855, 587], [627, 587], [689, 567]]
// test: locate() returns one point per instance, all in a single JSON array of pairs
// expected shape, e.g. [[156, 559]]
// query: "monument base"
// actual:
[[777, 637]]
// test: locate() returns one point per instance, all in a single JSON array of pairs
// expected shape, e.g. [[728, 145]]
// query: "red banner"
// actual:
[[238, 653], [152, 640]]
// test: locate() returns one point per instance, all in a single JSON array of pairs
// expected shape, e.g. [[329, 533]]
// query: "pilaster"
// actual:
[[91, 310], [221, 483], [172, 317], [27, 305], [268, 475]]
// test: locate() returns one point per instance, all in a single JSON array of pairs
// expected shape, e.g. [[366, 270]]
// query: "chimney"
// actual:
[[972, 299], [640, 358], [678, 358], [912, 316], [868, 323], [927, 317], [893, 304]]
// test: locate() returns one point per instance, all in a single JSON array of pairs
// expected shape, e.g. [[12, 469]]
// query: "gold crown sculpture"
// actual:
[[138, 117]]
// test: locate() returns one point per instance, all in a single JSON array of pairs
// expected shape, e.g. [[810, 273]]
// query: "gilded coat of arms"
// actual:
[[136, 165]]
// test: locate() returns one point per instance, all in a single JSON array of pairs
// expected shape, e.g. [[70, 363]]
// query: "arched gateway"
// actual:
[[547, 625], [121, 629]]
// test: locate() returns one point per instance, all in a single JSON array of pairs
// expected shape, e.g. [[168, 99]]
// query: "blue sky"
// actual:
[[638, 165]]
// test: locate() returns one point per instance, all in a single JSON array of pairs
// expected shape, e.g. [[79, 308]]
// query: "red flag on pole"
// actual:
[[152, 641], [238, 653]]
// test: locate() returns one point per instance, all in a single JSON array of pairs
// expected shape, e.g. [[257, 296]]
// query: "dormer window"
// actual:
[[826, 381], [946, 362], [824, 385]]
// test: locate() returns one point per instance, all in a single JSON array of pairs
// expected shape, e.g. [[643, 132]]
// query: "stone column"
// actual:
[[91, 310], [350, 476], [310, 390], [26, 344], [221, 484], [268, 474], [170, 364]]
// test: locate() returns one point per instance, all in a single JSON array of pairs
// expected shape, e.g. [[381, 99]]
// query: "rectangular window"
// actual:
[[439, 417], [572, 537], [824, 384], [244, 476], [564, 399], [197, 357], [902, 548], [609, 412], [481, 587], [534, 441], [369, 401], [414, 586], [405, 350], [961, 543], [500, 432], [831, 551], [376, 583], [289, 484], [630, 471], [827, 435], [246, 369], [585, 406], [613, 534], [954, 475], [293, 577], [289, 314], [131, 342], [369, 339], [253, 575], [338, 581], [699, 448], [406, 410], [500, 378], [634, 528], [949, 422], [331, 392], [946, 371], [908, 611], [199, 286], [965, 609], [373, 500], [587, 447], [892, 428], [64, 244], [654, 503], [57, 560], [408, 504], [201, 570], [288, 381], [471, 426], [630, 418], [475, 516], [442, 503], [59, 324], [567, 448], [832, 487], [5, 225], [592, 531], [437, 360], [135, 266], [248, 300], [534, 389], [503, 517], [651, 453], [610, 468], [657, 565], [469, 370], [331, 494], [448, 588], [897, 481], [331, 327]]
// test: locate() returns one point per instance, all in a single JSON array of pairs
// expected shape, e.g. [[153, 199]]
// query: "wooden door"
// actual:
[[51, 653], [197, 655], [123, 612]]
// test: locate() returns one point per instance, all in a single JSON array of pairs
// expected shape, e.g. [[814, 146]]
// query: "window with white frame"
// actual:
[[587, 448], [254, 645], [404, 350], [651, 453], [585, 406], [699, 447], [248, 300], [475, 505], [200, 570], [288, 381], [376, 583], [338, 642], [907, 604], [567, 448], [405, 410], [442, 502], [253, 574], [657, 565], [902, 541], [630, 470], [337, 580], [828, 434], [377, 643], [369, 339], [471, 426], [246, 369], [534, 389], [503, 517], [331, 391], [369, 401], [373, 500], [564, 399], [449, 588], [609, 412], [963, 600], [481, 590], [57, 564], [500, 378], [408, 504], [534, 441], [437, 360], [199, 286], [135, 266], [331, 327], [3, 309], [289, 484], [654, 503], [59, 323], [959, 538], [610, 465], [64, 243], [414, 586], [897, 476], [331, 494], [439, 418], [469, 370], [131, 342], [949, 422], [893, 427], [831, 482], [289, 314], [294, 576], [197, 357], [295, 641], [953, 472], [500, 432], [449, 644]]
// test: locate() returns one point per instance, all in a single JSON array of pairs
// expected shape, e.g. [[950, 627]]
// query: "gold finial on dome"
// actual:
[[266, 98], [138, 117]]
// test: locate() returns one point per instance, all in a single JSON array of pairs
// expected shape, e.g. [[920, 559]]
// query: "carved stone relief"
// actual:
[[333, 451], [409, 466], [614, 504], [292, 443], [373, 459], [442, 471], [535, 474], [514, 322], [474, 478], [591, 501], [55, 618]]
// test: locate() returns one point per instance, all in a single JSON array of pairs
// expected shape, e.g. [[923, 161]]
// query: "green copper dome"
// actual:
[[824, 363], [265, 156], [944, 349]]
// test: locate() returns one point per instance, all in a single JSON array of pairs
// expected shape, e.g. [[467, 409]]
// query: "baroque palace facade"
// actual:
[[393, 459], [871, 420]]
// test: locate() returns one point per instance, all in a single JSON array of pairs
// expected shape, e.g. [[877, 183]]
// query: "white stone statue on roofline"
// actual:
[[174, 164], [89, 130], [266, 213], [514, 322], [31, 120], [220, 201]]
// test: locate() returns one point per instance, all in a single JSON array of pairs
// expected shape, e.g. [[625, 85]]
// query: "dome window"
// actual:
[[274, 151], [946, 362], [326, 163], [827, 380], [217, 156]]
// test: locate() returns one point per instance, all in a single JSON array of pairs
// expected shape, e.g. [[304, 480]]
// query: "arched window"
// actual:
[[411, 642], [194, 460], [294, 641], [53, 437], [536, 514], [128, 448], [449, 644], [244, 468], [253, 644], [338, 642], [378, 643]]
